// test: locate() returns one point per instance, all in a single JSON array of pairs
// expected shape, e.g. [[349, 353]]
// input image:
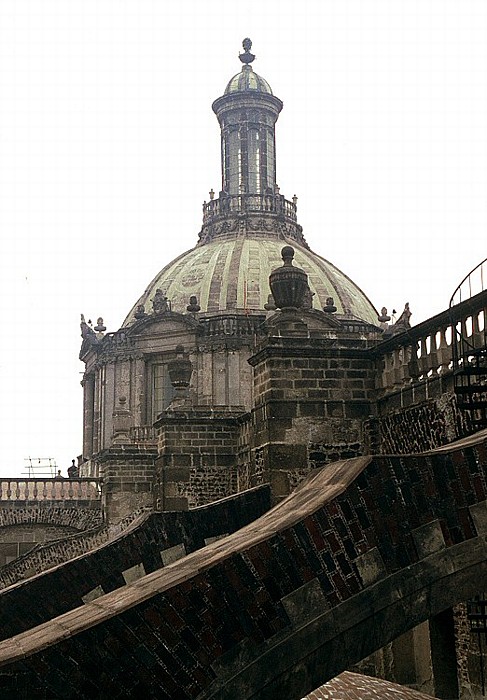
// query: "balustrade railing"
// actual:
[[243, 203], [49, 489], [426, 350], [143, 434], [470, 350], [235, 325]]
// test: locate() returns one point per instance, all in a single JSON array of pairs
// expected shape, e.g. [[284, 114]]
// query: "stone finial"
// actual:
[[384, 317], [402, 324], [193, 306], [288, 283], [73, 470], [270, 304], [295, 200], [329, 306], [212, 194], [140, 312], [308, 299], [287, 255], [246, 57], [122, 419], [100, 328], [160, 303], [180, 371], [86, 331]]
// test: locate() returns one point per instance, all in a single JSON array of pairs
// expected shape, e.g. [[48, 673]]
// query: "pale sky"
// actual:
[[108, 147]]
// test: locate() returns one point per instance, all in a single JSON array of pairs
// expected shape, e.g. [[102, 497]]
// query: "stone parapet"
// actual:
[[99, 558]]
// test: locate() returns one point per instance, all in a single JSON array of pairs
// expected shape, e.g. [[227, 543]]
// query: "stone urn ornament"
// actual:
[[289, 284], [180, 371]]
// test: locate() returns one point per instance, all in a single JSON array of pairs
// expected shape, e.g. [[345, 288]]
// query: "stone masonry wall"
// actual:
[[311, 404], [363, 552], [149, 543], [197, 461], [420, 417], [128, 480]]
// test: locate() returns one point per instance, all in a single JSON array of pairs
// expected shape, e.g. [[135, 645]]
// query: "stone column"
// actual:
[[88, 384]]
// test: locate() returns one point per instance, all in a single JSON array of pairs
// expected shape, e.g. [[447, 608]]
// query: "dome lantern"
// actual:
[[247, 114]]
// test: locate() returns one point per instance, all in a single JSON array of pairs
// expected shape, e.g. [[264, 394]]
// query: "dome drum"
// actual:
[[238, 101]]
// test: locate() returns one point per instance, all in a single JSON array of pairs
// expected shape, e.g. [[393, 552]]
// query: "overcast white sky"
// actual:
[[108, 147]]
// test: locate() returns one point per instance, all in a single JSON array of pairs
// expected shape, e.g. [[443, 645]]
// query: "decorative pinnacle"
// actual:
[[246, 57], [287, 254]]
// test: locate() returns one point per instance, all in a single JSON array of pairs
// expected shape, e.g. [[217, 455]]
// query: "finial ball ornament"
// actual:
[[287, 254], [246, 57]]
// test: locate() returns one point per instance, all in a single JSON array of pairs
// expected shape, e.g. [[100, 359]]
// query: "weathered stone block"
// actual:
[[428, 538]]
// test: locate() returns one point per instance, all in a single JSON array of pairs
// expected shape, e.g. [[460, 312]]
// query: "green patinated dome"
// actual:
[[248, 81], [232, 275]]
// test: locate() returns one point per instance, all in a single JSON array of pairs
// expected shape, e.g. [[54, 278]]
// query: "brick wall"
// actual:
[[361, 553], [128, 480], [311, 401], [198, 456], [149, 543], [420, 416]]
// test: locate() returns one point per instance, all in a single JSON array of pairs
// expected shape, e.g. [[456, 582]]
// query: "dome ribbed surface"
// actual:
[[233, 275], [248, 81]]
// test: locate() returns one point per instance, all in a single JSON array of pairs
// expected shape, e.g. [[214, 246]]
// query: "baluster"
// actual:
[[477, 335], [26, 490], [9, 490], [413, 367], [387, 372], [423, 359], [444, 353], [404, 354], [433, 356], [463, 345], [396, 363]]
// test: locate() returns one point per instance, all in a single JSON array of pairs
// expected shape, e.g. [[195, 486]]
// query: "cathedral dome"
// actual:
[[232, 275], [248, 81], [246, 227]]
